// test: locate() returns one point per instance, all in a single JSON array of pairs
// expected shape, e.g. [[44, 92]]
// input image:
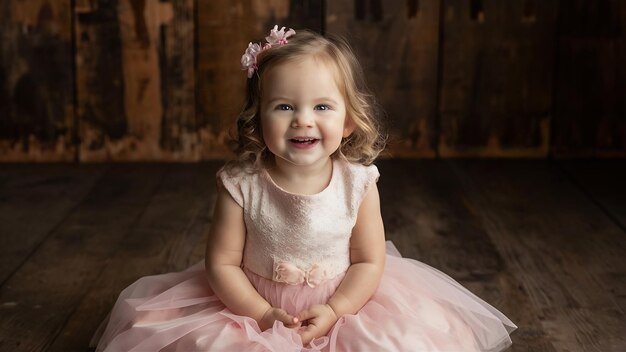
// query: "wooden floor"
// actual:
[[543, 241]]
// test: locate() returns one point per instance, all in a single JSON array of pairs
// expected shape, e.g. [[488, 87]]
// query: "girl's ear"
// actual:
[[348, 127]]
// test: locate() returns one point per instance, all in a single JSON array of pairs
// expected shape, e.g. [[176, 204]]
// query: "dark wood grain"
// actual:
[[36, 81], [169, 236], [496, 86], [34, 200], [603, 182], [178, 137], [43, 293], [565, 252], [99, 75], [135, 68], [137, 80], [429, 218], [590, 79], [397, 44]]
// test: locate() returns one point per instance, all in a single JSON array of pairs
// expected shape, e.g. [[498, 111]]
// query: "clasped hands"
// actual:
[[310, 323]]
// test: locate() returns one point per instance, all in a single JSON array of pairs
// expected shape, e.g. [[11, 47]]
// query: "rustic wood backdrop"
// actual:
[[123, 80]]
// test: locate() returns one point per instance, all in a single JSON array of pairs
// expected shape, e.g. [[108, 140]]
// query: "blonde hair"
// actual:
[[364, 143]]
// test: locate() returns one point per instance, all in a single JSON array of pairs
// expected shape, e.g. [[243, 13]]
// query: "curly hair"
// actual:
[[364, 143]]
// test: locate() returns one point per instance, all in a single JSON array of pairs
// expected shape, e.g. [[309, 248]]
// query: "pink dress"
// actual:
[[296, 254]]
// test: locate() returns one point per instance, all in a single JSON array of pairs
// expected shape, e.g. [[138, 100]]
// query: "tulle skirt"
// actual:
[[415, 308]]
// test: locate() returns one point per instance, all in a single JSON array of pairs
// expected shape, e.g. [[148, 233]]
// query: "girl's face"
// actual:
[[303, 113]]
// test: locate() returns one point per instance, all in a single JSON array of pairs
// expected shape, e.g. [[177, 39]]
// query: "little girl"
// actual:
[[296, 258]]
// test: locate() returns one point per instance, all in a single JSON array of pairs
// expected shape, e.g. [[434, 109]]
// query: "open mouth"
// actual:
[[303, 140]]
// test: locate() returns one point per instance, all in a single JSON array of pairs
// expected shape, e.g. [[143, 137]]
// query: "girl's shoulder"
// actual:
[[354, 170], [237, 181], [237, 171], [358, 178], [354, 180]]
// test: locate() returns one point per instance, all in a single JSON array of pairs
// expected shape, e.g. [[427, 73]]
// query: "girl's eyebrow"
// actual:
[[327, 100], [277, 98], [322, 99]]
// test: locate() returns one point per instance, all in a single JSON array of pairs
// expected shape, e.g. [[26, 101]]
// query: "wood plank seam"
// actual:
[[590, 196], [86, 291], [53, 229]]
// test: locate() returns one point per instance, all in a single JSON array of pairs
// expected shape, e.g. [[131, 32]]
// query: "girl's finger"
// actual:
[[308, 333], [294, 326], [305, 315], [287, 318]]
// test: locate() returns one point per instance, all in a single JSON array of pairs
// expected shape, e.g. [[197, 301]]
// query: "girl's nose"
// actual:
[[302, 119]]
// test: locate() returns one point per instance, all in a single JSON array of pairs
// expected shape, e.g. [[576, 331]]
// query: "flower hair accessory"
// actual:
[[276, 38]]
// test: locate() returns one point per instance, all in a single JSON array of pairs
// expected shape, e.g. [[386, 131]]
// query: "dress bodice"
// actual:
[[296, 238]]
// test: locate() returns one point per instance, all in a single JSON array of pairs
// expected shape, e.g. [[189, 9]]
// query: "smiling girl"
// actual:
[[296, 257]]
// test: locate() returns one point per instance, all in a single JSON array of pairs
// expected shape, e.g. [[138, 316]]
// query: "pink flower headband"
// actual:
[[276, 37]]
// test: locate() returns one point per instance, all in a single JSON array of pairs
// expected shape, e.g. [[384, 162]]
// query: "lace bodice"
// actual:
[[295, 238]]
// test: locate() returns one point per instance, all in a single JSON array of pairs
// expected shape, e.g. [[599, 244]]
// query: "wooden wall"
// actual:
[[37, 83], [124, 80]]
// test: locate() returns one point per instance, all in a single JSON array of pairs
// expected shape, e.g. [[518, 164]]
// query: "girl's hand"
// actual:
[[273, 314], [320, 319]]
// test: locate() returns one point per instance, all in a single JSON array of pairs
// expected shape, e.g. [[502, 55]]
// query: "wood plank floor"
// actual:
[[543, 241]]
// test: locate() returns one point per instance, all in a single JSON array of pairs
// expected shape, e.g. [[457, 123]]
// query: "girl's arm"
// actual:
[[224, 253], [367, 255]]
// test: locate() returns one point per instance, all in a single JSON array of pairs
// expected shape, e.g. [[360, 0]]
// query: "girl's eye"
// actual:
[[322, 107], [284, 107]]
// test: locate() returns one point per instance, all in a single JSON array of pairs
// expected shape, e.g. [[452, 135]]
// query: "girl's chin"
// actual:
[[302, 161]]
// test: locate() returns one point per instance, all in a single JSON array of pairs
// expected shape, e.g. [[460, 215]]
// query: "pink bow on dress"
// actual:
[[292, 275]]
